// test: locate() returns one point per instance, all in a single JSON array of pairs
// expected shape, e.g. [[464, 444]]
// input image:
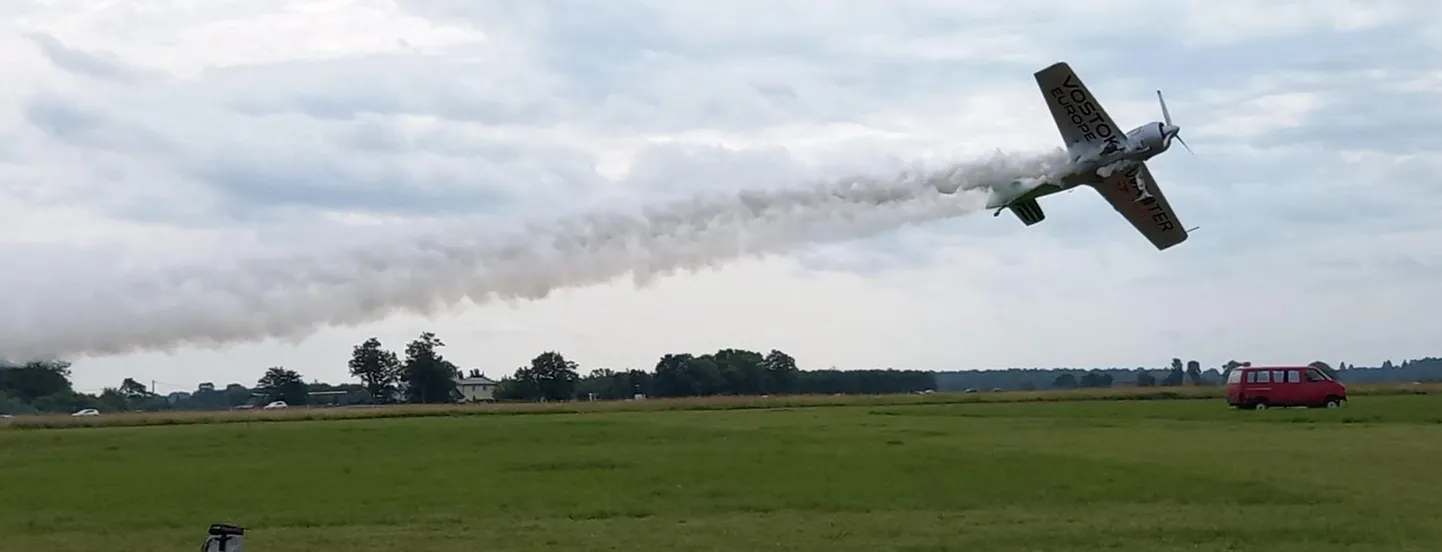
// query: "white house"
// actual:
[[476, 388]]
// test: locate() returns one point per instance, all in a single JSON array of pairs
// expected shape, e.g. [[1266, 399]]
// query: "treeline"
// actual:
[[726, 372], [45, 387], [421, 374], [1177, 373]]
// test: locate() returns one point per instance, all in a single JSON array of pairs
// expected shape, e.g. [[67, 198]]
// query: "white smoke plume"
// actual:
[[292, 297]]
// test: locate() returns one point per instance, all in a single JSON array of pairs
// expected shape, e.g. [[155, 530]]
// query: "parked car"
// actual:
[[276, 404], [1261, 387], [87, 412]]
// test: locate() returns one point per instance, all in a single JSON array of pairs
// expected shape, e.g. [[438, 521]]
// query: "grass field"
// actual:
[[934, 475]]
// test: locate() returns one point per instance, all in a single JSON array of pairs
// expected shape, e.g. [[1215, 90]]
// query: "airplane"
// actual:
[[1111, 163]]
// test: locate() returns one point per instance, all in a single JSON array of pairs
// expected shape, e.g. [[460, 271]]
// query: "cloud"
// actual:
[[97, 65], [144, 137]]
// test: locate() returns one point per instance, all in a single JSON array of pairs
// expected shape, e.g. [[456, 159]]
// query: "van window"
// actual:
[[1235, 376], [1314, 374], [1263, 376], [1294, 376]]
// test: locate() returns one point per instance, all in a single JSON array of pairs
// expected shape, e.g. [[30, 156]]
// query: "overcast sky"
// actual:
[[142, 135]]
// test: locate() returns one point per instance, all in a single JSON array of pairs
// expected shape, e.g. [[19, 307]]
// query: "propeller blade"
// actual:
[[1166, 115], [1184, 144]]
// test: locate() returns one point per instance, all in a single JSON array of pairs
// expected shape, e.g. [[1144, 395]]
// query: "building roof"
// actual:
[[475, 381]]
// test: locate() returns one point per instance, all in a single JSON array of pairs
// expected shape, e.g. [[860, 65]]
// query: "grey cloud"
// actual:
[[398, 177], [1159, 61], [62, 119], [643, 69], [371, 167], [1368, 117], [97, 65], [392, 84], [322, 183], [69, 120]]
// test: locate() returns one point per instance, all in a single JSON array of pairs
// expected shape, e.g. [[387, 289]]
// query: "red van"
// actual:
[[1259, 387]]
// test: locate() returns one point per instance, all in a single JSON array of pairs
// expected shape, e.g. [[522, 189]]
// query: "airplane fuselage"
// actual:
[[1091, 166]]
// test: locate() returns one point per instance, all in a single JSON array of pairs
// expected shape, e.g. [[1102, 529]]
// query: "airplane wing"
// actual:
[[1084, 125], [1153, 217]]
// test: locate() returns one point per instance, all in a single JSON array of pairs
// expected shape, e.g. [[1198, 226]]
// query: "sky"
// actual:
[[144, 137]]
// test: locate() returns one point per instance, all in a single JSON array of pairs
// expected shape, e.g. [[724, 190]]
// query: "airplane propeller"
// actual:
[[1170, 130]]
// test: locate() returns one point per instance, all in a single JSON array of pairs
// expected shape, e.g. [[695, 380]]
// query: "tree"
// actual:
[[1176, 376], [672, 377], [781, 370], [133, 390], [1064, 381], [555, 377], [428, 376], [1194, 372], [1146, 379], [33, 380], [1096, 378], [521, 385], [112, 399], [236, 394], [378, 369], [1232, 365], [706, 376], [742, 372], [282, 384]]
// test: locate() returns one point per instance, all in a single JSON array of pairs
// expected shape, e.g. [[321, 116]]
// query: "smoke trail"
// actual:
[[294, 297]]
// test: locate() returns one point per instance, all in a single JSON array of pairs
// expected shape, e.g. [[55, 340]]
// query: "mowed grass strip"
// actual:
[[1096, 475], [1111, 394]]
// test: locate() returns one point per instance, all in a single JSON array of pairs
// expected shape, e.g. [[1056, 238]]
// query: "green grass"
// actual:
[[184, 417], [1087, 475]]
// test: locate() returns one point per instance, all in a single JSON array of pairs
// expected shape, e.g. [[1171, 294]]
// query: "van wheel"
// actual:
[[1259, 405], [1333, 402]]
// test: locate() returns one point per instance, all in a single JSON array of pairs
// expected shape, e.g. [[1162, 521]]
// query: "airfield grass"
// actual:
[[687, 403], [1152, 475]]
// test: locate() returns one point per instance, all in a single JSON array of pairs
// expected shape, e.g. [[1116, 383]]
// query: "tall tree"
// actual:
[[1176, 376], [133, 390], [1194, 372], [282, 384], [113, 400], [673, 379], [378, 369], [742, 371], [782, 371], [33, 380], [555, 376], [521, 385], [428, 376]]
